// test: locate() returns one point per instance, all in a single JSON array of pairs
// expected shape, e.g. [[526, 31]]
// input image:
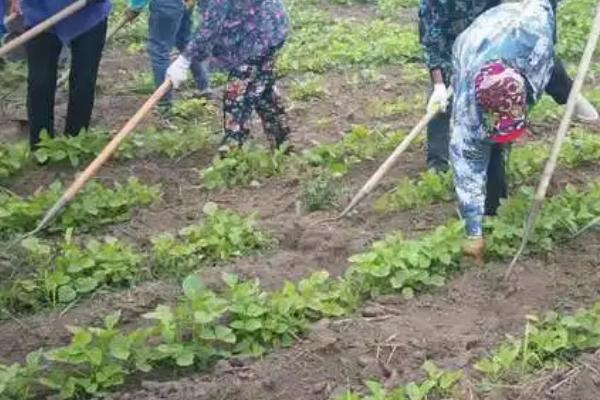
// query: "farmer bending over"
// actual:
[[502, 63], [84, 32], [169, 26], [244, 36], [440, 23]]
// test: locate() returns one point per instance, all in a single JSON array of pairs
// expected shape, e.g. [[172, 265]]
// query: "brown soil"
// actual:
[[581, 382], [391, 338]]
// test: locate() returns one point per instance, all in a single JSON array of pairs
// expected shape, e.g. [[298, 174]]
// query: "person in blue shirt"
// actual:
[[2, 16], [502, 64], [440, 23], [85, 33], [170, 26]]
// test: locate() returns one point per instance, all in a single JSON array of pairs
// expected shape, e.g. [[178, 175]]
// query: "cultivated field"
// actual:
[[178, 275]]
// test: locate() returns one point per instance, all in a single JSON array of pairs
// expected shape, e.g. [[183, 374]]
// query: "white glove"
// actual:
[[178, 71], [585, 111], [439, 98]]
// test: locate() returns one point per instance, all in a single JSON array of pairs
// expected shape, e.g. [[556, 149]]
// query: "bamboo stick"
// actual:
[[108, 151], [43, 26], [561, 134], [389, 162]]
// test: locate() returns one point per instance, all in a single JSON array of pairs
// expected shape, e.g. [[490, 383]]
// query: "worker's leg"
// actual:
[[496, 186], [560, 83], [42, 58], [438, 138], [199, 70], [164, 21], [86, 53], [438, 133], [269, 104], [238, 104]]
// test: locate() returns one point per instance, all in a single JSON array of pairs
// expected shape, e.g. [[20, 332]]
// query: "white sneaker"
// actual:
[[585, 111]]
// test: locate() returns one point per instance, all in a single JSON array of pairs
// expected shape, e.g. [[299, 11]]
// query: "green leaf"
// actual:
[[408, 293], [66, 294], [86, 285], [111, 320], [185, 359], [120, 347], [193, 287], [224, 334]]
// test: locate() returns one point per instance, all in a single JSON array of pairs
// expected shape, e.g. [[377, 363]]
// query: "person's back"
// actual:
[[520, 34], [236, 31]]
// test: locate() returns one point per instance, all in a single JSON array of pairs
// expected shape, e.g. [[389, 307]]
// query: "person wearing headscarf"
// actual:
[[502, 63], [440, 23], [244, 36]]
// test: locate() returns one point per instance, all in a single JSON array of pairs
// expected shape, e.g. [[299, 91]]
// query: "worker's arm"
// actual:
[[469, 147], [469, 155], [203, 41], [434, 19]]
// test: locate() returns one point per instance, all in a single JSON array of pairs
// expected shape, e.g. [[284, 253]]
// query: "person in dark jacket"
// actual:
[[440, 23], [85, 34], [244, 37]]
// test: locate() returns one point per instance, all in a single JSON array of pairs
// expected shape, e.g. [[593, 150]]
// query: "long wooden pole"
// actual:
[[389, 162], [108, 151], [561, 134], [43, 26], [65, 76]]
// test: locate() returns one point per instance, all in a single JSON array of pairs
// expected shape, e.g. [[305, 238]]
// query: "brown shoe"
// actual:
[[474, 248]]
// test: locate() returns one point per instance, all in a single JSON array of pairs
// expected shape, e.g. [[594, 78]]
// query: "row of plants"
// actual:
[[244, 319], [253, 163], [53, 275], [320, 42], [547, 344], [524, 164], [194, 132], [439, 383], [96, 205]]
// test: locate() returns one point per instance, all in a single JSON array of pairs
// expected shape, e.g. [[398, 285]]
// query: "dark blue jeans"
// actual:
[[170, 26]]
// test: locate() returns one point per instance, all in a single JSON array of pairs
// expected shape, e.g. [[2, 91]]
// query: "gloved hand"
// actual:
[[474, 247], [585, 111], [439, 98], [178, 71]]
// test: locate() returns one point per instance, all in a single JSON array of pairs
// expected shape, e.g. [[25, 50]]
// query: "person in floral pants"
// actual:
[[252, 87], [244, 36]]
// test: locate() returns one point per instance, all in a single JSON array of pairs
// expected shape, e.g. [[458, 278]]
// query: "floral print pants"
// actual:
[[252, 87]]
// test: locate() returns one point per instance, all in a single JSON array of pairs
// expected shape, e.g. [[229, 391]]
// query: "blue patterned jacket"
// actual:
[[520, 34]]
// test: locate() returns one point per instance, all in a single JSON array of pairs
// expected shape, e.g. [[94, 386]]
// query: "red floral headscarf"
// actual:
[[501, 92]]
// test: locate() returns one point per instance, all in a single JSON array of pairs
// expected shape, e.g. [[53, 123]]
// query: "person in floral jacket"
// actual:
[[502, 64], [244, 36]]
